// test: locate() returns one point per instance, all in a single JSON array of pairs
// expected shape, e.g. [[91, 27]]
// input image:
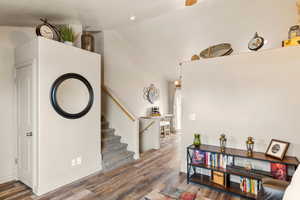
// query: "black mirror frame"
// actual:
[[53, 96]]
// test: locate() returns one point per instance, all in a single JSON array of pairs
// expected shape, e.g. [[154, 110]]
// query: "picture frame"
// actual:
[[277, 149], [198, 157]]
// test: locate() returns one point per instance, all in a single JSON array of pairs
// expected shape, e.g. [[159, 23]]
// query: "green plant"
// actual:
[[67, 33]]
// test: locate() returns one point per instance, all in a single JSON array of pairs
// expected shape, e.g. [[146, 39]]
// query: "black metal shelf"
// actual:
[[288, 160], [231, 187]]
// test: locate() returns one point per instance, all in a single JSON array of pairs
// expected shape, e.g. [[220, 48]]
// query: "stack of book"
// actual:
[[249, 185], [212, 159]]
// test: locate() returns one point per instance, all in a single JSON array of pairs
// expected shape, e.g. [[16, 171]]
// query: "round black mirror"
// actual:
[[72, 96]]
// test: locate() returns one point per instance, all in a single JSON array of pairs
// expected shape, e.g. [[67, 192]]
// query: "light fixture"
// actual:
[[132, 18], [177, 83], [190, 2], [195, 57]]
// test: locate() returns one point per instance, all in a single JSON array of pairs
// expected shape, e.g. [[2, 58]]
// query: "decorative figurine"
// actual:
[[250, 145], [294, 37], [151, 93], [223, 141], [294, 32], [256, 42], [197, 140], [248, 165], [47, 30]]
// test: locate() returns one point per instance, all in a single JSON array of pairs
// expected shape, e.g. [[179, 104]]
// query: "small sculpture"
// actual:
[[256, 42], [250, 146], [151, 93], [223, 141]]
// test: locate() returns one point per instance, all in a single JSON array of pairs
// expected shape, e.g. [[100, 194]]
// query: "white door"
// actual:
[[24, 109]]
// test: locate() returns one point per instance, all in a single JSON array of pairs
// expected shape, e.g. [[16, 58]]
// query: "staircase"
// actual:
[[114, 153]]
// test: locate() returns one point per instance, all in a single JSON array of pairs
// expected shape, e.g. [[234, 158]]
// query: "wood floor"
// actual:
[[156, 170]]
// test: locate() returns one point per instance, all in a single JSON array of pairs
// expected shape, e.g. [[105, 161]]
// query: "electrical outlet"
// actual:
[[79, 160], [73, 162]]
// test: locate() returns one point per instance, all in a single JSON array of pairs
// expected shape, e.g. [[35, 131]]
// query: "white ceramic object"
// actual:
[[69, 43]]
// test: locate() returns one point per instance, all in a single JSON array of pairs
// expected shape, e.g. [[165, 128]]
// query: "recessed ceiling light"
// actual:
[[132, 18]]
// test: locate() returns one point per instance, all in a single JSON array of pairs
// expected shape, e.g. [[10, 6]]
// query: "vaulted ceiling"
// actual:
[[103, 14]]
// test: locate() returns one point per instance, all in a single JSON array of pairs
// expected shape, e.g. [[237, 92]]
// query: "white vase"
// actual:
[[69, 43]]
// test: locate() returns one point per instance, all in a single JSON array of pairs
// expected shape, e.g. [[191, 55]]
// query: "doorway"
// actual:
[[24, 94], [177, 107]]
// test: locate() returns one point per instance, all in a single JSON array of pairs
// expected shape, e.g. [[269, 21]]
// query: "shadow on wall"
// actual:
[[19, 38], [99, 48]]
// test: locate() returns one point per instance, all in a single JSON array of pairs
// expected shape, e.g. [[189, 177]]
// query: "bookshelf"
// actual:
[[214, 161]]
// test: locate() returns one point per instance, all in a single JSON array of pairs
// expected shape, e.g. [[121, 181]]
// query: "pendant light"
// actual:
[[177, 82], [190, 2]]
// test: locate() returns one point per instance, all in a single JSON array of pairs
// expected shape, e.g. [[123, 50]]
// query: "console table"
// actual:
[[231, 187]]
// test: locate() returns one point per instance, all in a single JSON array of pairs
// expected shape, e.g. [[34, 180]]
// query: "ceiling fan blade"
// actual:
[[190, 2]]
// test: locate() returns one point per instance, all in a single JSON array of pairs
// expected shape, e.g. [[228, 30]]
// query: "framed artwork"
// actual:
[[198, 157], [277, 149], [279, 171]]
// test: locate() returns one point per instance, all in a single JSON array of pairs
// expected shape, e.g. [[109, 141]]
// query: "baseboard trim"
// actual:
[[9, 178], [42, 191]]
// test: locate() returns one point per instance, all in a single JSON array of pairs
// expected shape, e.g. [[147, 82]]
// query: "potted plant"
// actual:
[[67, 34]]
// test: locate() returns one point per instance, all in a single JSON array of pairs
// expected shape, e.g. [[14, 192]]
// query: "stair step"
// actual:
[[110, 140], [114, 153], [104, 124], [117, 165], [107, 132], [116, 147], [109, 154], [116, 160]]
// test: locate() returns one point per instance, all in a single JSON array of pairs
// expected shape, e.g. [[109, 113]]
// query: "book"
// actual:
[[198, 157], [249, 185], [218, 178], [279, 171], [255, 188], [230, 160], [211, 159]]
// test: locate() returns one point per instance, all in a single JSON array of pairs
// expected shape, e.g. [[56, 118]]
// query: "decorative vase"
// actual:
[[87, 41], [69, 43], [197, 140]]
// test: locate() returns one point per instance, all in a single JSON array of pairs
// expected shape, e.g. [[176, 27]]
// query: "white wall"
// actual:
[[252, 94], [126, 74], [7, 136], [61, 140], [125, 127], [160, 43], [149, 51], [10, 37]]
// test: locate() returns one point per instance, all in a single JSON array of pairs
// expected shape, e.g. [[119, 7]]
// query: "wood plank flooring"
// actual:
[[156, 170]]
